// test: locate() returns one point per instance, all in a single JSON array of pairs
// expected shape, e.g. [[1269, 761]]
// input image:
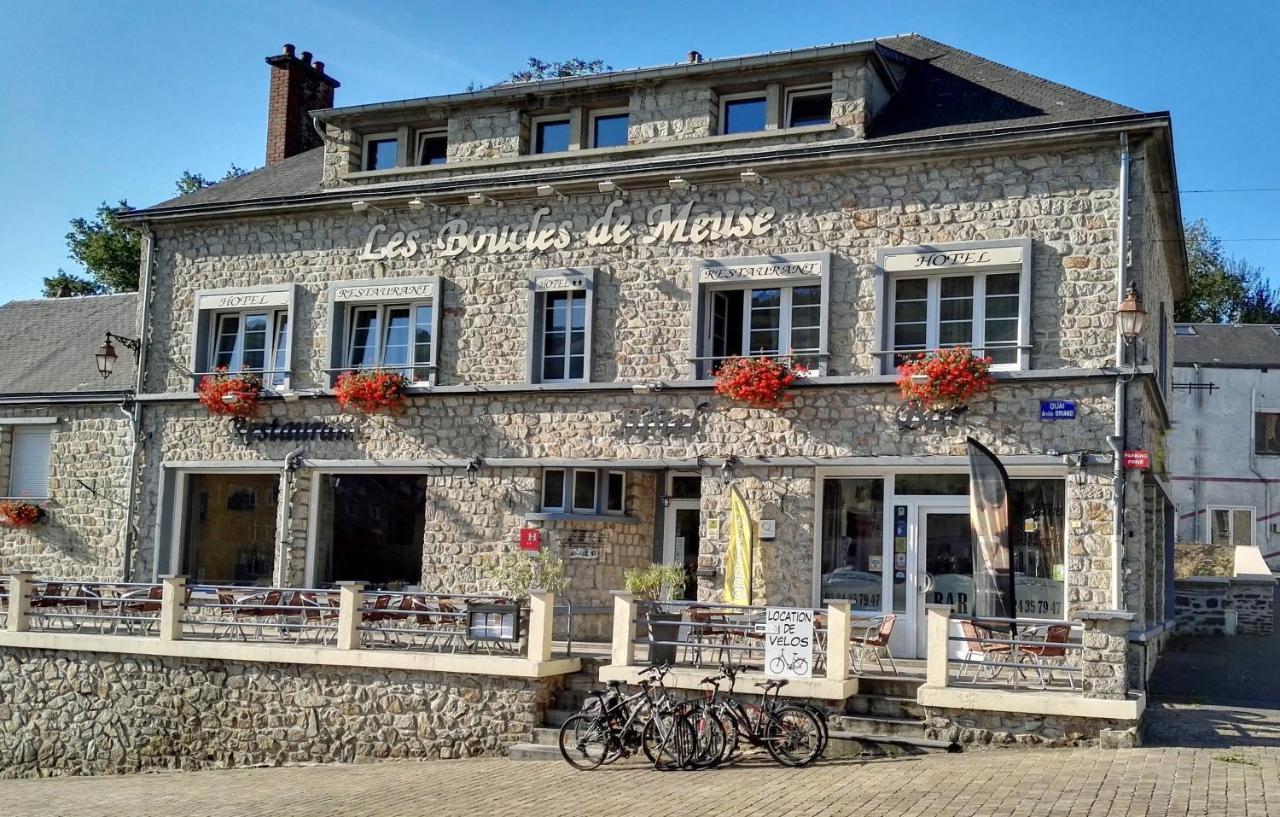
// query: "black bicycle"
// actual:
[[613, 725], [794, 734]]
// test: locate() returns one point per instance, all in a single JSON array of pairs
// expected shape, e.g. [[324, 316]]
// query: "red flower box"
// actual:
[[371, 392], [18, 514], [945, 379], [230, 395], [761, 382]]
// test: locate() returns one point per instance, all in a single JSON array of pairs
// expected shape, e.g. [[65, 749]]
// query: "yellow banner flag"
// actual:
[[737, 560]]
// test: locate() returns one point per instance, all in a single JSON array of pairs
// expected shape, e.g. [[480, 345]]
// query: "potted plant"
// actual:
[[371, 392], [518, 574], [656, 584], [761, 382], [944, 380], [230, 395], [17, 513]]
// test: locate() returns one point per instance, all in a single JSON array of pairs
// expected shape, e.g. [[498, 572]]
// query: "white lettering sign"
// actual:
[[557, 282], [788, 642], [383, 292], [714, 272], [665, 223], [244, 300], [923, 261]]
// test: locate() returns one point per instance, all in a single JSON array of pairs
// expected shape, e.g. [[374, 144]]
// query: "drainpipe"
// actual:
[[1253, 466], [1118, 435], [1197, 459], [284, 512], [133, 408]]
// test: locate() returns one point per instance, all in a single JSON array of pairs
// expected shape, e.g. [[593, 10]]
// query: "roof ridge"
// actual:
[[18, 301]]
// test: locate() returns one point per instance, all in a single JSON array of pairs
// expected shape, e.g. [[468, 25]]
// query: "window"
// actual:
[[808, 106], [1184, 329], [29, 462], [578, 491], [380, 151], [977, 297], [551, 134], [762, 307], [743, 113], [560, 341], [433, 147], [244, 331], [852, 564], [609, 128], [387, 325], [1266, 432], [228, 527], [1231, 526]]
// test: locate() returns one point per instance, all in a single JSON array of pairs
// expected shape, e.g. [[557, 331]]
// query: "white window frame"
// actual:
[[14, 432], [594, 507], [381, 310], [886, 288], [605, 112], [271, 376], [346, 297], [762, 94], [608, 478], [566, 117], [568, 503], [278, 302], [549, 282], [421, 136], [565, 474], [1231, 522], [803, 90], [392, 136]]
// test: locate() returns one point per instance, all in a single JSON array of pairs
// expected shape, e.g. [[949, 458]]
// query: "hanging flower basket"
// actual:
[[946, 379], [371, 392], [761, 382], [19, 514], [230, 395]]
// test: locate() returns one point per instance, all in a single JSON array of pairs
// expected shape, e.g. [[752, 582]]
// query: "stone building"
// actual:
[[65, 435], [559, 266]]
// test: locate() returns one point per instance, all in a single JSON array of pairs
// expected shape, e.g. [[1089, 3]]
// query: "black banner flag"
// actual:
[[992, 549]]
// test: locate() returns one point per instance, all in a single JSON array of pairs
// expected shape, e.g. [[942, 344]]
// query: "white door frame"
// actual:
[[948, 505], [669, 525]]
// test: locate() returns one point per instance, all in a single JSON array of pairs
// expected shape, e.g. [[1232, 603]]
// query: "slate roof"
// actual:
[[48, 344], [1228, 345], [945, 91]]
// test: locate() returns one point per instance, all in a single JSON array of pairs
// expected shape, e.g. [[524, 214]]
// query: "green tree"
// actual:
[[66, 285], [190, 182], [1223, 289], [576, 67]]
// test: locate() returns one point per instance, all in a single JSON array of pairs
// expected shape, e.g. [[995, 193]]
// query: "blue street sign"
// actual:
[[1057, 409]]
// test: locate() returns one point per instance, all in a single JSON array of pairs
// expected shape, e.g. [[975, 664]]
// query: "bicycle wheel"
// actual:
[[732, 736], [709, 736], [585, 742], [793, 736], [669, 741], [777, 665]]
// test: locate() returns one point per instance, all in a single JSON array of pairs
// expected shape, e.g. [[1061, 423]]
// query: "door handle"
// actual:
[[927, 584]]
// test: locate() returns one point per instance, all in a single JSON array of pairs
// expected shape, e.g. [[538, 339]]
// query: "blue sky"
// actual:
[[114, 99]]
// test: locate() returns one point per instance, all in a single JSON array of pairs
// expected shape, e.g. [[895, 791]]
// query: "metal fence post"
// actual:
[[350, 600], [938, 635], [838, 626], [172, 597], [623, 652], [542, 616], [20, 581]]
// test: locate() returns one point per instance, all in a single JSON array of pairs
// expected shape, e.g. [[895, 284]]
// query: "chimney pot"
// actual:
[[319, 66], [695, 57], [288, 49], [306, 57]]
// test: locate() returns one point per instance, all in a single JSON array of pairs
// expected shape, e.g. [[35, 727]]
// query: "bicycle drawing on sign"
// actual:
[[788, 642]]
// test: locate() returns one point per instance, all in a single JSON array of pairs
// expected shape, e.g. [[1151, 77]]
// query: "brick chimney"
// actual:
[[297, 86]]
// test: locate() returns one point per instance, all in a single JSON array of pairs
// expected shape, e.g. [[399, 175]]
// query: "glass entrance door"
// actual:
[[680, 542], [945, 559]]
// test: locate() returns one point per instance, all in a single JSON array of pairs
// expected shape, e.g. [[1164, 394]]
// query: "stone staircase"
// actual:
[[883, 720]]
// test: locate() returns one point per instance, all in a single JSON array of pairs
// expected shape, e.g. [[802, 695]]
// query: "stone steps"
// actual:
[[892, 706], [847, 744], [889, 686], [534, 752], [556, 717], [878, 726]]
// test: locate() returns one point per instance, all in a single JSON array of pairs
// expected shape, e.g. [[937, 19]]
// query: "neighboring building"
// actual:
[[1224, 450], [65, 434], [558, 266]]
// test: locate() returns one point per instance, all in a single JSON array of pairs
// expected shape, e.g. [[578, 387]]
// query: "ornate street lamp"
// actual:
[[106, 354], [1130, 316]]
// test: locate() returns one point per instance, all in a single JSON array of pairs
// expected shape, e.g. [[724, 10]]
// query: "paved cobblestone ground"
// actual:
[[1076, 783]]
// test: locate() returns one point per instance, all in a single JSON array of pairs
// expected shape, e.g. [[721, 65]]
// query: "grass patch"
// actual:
[[1236, 757]]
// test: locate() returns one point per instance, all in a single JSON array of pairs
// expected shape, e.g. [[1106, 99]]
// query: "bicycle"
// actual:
[[618, 725], [794, 734], [799, 665]]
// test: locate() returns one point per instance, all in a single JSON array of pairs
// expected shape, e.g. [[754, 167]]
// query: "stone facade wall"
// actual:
[[976, 729], [65, 713], [1204, 604], [672, 111], [83, 532], [491, 133], [851, 98], [1254, 603], [343, 152]]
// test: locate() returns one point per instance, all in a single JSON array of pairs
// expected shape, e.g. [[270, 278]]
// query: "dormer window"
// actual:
[[743, 113], [808, 106], [609, 127], [551, 134], [433, 147], [380, 151]]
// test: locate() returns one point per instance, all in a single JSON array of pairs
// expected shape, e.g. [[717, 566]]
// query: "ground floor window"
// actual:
[[853, 541], [370, 528], [229, 528]]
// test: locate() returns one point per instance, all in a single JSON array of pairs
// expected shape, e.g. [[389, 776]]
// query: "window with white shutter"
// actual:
[[29, 463]]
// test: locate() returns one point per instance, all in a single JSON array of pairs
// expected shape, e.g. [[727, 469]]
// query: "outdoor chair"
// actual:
[[264, 607], [317, 615], [982, 648], [140, 609], [376, 613], [49, 598], [1053, 650], [876, 639]]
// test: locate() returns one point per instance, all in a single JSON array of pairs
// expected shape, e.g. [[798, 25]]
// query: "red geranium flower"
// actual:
[[757, 381], [945, 378], [371, 392], [230, 395]]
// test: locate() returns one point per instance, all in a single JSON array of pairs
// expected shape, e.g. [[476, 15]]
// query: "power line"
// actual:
[[1234, 190]]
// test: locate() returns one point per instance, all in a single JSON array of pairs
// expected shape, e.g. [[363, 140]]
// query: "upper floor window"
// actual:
[[808, 106], [560, 328], [385, 325], [743, 113], [433, 147], [609, 127], [380, 151], [1230, 526], [978, 296], [762, 307], [551, 134], [29, 462], [244, 331], [1266, 432]]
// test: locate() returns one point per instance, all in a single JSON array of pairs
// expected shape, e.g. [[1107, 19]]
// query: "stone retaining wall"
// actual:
[[994, 730], [67, 713], [1203, 605]]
